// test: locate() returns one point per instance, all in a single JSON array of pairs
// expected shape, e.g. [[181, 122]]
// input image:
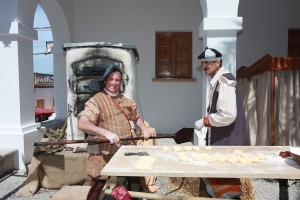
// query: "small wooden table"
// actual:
[[168, 165]]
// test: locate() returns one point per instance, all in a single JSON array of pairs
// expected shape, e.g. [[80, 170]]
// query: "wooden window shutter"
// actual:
[[174, 55], [294, 43]]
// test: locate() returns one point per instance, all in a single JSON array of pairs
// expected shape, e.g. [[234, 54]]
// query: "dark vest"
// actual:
[[236, 133]]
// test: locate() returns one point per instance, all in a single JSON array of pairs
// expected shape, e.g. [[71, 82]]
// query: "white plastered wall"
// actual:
[[47, 94]]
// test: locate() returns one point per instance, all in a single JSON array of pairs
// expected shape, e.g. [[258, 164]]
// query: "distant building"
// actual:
[[44, 90]]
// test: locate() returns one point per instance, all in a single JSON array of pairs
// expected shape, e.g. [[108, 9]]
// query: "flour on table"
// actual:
[[193, 155]]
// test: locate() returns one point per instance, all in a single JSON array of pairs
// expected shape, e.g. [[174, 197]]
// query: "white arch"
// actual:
[[61, 35]]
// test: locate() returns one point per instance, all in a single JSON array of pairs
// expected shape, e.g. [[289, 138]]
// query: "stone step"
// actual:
[[7, 156]]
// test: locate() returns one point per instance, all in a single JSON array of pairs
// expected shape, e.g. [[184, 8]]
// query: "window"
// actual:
[[294, 43], [173, 55]]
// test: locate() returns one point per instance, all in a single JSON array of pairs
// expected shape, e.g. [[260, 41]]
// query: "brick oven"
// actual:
[[85, 64]]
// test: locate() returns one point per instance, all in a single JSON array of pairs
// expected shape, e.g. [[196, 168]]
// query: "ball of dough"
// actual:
[[187, 148], [210, 159], [204, 155], [237, 152], [261, 156], [196, 148], [164, 148], [183, 158], [246, 155], [208, 148], [176, 148], [180, 154], [198, 158], [230, 155], [216, 155], [222, 159], [244, 160], [254, 159]]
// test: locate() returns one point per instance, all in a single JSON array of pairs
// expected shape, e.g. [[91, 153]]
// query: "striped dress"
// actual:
[[104, 113]]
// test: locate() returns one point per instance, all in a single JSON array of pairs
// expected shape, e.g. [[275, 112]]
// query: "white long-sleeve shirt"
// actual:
[[226, 103]]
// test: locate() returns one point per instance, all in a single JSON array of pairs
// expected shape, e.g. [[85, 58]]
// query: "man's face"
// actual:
[[211, 67], [113, 82]]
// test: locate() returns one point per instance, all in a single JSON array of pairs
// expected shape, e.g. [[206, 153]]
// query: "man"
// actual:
[[107, 115], [226, 117]]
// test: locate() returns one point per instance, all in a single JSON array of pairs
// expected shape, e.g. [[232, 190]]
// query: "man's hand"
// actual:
[[146, 134], [113, 138], [199, 125]]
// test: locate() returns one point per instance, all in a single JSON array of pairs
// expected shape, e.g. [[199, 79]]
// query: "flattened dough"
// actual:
[[144, 163], [142, 167]]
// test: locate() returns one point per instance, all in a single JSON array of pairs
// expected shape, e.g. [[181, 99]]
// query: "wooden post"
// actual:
[[272, 108]]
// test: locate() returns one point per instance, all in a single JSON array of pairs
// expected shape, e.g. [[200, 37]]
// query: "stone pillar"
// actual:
[[218, 30], [17, 124]]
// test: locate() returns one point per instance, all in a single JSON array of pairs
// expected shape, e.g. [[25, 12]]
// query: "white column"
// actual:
[[17, 121], [60, 85], [218, 29]]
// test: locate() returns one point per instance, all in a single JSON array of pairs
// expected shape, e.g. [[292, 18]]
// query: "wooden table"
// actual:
[[168, 165]]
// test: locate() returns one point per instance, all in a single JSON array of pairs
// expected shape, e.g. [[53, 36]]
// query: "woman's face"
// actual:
[[113, 82]]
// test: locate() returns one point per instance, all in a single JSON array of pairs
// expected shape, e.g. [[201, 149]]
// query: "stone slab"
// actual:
[[168, 165], [7, 152]]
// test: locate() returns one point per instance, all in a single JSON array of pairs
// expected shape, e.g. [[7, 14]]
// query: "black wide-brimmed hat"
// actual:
[[210, 54], [111, 68]]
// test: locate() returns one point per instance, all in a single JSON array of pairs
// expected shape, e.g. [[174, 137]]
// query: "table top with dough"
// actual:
[[168, 165]]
